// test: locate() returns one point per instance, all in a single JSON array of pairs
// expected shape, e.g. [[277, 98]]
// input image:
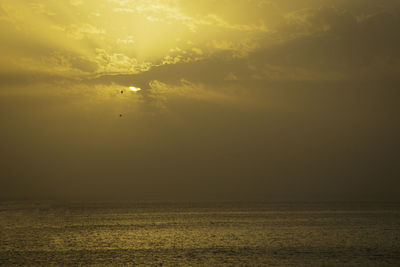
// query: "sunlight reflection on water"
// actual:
[[186, 234]]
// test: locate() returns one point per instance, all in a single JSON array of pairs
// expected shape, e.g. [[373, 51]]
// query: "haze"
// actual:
[[239, 99]]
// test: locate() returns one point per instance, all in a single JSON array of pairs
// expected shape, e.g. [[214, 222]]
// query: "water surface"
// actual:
[[200, 233]]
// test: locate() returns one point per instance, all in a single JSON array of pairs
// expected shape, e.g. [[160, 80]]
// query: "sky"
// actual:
[[237, 99]]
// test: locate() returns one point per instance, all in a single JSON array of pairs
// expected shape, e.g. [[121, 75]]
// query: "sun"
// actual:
[[134, 89]]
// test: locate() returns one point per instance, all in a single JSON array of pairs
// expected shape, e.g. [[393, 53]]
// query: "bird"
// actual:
[[120, 115], [122, 92]]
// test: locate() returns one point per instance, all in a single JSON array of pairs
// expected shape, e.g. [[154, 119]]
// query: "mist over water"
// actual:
[[292, 144]]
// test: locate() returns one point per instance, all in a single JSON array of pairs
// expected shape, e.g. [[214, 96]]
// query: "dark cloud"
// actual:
[[337, 47], [356, 49]]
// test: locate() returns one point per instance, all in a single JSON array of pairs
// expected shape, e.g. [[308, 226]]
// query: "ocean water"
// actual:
[[205, 234]]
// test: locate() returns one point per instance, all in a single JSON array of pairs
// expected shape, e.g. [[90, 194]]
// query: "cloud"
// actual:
[[76, 2], [117, 63], [65, 62], [331, 45], [173, 40], [80, 31], [330, 40], [41, 9]]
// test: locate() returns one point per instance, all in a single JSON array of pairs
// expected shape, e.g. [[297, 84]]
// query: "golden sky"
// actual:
[[265, 96], [250, 39]]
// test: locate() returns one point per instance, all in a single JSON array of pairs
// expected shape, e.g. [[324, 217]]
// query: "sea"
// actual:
[[199, 233]]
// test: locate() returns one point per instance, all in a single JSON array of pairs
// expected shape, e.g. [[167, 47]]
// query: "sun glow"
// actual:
[[134, 89]]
